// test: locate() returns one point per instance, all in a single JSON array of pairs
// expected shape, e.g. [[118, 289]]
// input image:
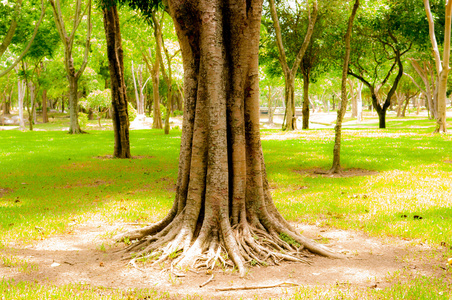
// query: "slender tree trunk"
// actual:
[[45, 118], [20, 99], [120, 114], [140, 108], [359, 102], [223, 204], [305, 99], [336, 167], [290, 120], [137, 97], [442, 67], [270, 105], [157, 121], [74, 126]]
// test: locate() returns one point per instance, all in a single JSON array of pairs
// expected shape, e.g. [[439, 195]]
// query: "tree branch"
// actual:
[[12, 28], [43, 10]]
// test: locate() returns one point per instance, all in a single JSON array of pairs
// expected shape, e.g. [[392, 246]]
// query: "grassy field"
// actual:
[[49, 179]]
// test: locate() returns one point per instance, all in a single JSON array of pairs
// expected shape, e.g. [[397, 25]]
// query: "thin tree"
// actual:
[[223, 203], [72, 75], [442, 66], [167, 76], [336, 168], [290, 121], [154, 69], [118, 86]]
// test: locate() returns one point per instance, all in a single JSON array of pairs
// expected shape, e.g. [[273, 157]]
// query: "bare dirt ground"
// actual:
[[86, 255]]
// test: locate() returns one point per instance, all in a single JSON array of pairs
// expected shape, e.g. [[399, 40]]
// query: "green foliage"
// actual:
[[178, 113], [289, 239], [131, 111], [82, 120], [163, 111], [97, 100]]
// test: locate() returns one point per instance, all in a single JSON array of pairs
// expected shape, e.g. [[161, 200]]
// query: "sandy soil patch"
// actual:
[[87, 255]]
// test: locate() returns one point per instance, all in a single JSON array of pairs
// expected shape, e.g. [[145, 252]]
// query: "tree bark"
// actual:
[[120, 114], [336, 167], [223, 203]]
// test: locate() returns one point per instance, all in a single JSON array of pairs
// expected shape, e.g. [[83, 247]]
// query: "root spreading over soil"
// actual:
[[85, 256]]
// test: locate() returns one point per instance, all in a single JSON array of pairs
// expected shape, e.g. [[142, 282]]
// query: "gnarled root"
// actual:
[[240, 246]]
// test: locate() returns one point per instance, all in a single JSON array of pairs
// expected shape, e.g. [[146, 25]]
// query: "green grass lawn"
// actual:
[[49, 179]]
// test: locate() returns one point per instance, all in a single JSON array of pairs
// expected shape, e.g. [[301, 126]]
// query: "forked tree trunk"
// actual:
[[68, 41], [290, 121], [120, 114], [223, 202]]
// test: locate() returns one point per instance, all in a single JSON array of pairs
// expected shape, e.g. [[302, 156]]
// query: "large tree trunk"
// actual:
[[120, 114], [223, 202]]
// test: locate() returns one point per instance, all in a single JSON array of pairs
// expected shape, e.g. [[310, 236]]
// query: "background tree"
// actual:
[[379, 46], [341, 111], [118, 86], [442, 66], [68, 39], [290, 121], [99, 102]]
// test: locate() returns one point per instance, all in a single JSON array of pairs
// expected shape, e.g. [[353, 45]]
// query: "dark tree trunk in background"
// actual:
[[305, 99], [45, 118], [120, 114], [381, 108], [223, 203]]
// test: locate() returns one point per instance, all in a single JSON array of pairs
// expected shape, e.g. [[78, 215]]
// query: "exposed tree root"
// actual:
[[282, 284], [247, 246]]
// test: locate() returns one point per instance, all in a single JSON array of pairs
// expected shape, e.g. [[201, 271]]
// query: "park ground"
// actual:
[[62, 199]]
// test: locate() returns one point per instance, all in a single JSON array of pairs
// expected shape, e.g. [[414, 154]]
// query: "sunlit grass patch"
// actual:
[[10, 289]]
